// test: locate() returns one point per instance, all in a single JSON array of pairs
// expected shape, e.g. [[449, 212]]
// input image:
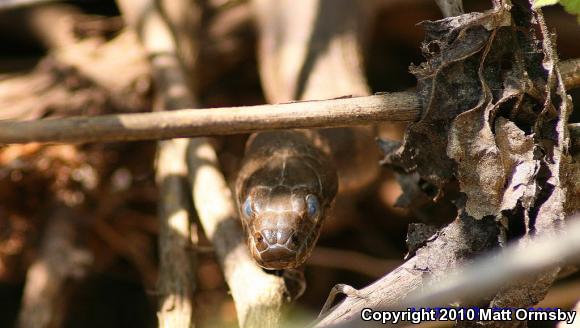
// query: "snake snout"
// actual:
[[268, 238], [277, 248]]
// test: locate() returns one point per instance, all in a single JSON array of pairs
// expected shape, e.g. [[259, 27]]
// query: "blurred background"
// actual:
[[110, 190]]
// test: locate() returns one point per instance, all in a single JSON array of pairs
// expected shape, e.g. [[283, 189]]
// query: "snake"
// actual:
[[289, 180]]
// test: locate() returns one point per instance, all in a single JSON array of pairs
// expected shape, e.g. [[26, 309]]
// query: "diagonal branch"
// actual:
[[470, 281]]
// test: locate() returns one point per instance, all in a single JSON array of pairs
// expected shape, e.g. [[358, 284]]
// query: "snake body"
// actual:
[[310, 49]]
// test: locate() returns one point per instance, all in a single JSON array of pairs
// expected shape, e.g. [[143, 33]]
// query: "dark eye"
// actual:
[[312, 205], [247, 209]]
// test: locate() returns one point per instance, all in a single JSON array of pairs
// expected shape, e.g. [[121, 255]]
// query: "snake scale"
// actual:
[[288, 182]]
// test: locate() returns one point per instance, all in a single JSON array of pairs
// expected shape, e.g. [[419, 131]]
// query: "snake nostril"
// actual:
[[294, 240], [259, 242]]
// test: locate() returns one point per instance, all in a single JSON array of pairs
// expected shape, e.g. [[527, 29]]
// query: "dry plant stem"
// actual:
[[58, 261], [216, 121], [471, 281], [176, 283], [511, 264], [455, 241], [399, 106], [258, 296]]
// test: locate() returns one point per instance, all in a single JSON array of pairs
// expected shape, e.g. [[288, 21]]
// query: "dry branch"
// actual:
[[462, 237], [400, 106], [258, 296], [58, 261], [176, 283], [177, 257], [511, 264], [217, 121], [467, 282], [463, 141]]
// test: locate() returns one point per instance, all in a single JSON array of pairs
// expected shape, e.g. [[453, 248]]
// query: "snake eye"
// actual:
[[247, 209], [312, 205]]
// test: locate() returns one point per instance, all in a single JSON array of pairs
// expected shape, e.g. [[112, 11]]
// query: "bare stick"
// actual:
[[176, 283], [512, 263], [399, 106], [217, 121], [258, 296], [221, 121], [59, 260], [456, 242], [467, 282]]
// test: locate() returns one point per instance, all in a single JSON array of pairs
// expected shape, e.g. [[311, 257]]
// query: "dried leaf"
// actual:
[[495, 115]]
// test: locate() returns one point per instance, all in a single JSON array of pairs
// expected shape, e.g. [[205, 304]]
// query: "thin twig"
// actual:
[[399, 106], [216, 121], [59, 260], [222, 121], [176, 283], [258, 296], [177, 259]]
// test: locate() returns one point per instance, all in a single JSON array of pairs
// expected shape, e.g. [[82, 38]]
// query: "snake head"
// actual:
[[283, 206], [283, 227]]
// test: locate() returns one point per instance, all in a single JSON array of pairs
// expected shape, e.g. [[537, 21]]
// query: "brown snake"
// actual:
[[310, 49]]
